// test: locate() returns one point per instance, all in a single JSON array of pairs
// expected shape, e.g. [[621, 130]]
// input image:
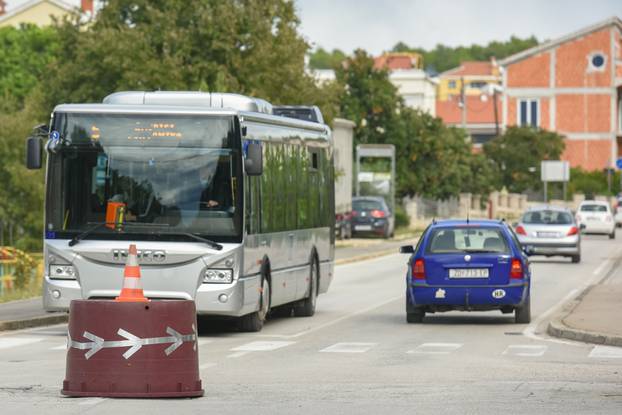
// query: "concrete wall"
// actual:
[[343, 132]]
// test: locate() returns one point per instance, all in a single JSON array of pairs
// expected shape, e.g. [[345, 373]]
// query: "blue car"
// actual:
[[470, 266]]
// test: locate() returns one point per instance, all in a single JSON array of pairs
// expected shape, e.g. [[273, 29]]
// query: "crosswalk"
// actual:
[[518, 350]]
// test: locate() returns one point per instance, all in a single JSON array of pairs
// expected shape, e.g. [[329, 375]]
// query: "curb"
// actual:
[[364, 257], [56, 318], [557, 328]]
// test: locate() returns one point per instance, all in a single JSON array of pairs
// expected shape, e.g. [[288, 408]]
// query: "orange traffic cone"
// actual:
[[132, 288]]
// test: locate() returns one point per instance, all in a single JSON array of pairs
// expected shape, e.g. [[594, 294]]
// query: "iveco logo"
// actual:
[[467, 258], [143, 255]]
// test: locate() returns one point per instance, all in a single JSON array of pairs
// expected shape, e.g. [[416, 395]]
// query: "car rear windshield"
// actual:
[[367, 205], [547, 217], [593, 208], [467, 239]]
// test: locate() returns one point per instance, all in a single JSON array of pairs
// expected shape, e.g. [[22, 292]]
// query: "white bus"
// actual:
[[229, 205]]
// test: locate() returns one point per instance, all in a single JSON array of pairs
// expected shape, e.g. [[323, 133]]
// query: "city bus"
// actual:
[[229, 204]]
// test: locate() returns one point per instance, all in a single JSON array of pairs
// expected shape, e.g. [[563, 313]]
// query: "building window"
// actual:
[[451, 84], [477, 84], [528, 112], [597, 61]]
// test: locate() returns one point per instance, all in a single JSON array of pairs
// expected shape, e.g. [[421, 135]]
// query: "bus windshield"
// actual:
[[146, 176]]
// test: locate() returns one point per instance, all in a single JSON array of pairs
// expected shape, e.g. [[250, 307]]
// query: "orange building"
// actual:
[[571, 85]]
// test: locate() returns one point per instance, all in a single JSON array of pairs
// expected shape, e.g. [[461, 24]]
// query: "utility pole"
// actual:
[[463, 102], [494, 102]]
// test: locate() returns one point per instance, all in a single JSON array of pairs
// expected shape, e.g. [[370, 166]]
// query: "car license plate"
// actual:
[[362, 228], [468, 273], [548, 235]]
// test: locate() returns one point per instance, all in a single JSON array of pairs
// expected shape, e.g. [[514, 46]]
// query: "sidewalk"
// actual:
[[594, 316], [22, 314]]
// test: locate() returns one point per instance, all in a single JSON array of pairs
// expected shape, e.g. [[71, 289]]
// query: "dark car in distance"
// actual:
[[371, 215]]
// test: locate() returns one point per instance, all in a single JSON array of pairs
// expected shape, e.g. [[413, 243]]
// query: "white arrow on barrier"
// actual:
[[133, 342]]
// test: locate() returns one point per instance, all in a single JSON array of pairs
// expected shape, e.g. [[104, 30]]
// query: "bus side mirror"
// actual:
[[33, 153], [253, 163]]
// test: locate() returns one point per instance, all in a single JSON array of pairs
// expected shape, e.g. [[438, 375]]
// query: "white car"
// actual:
[[596, 217]]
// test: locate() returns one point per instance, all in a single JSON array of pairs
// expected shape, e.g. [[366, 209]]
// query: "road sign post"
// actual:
[[554, 171]]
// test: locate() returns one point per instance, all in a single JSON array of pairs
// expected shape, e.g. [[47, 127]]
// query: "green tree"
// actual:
[[251, 47], [21, 195], [24, 54], [443, 57], [518, 153], [322, 59], [369, 99]]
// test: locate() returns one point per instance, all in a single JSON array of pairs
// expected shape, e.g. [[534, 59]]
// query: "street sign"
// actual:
[[619, 163], [555, 171]]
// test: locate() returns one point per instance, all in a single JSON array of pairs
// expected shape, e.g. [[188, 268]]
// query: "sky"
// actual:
[[377, 25]]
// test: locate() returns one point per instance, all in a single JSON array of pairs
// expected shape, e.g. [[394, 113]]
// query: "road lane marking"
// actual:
[[206, 366], [606, 352], [436, 348], [352, 347], [237, 354], [9, 342], [261, 346], [525, 350], [601, 267], [203, 342], [61, 347], [335, 321], [91, 401]]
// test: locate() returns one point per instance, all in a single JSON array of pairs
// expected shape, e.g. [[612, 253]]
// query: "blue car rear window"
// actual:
[[448, 240]]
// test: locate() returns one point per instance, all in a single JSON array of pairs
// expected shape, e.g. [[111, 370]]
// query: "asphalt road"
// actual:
[[357, 355]]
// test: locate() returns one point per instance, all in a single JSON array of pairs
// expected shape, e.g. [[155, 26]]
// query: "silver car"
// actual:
[[550, 231]]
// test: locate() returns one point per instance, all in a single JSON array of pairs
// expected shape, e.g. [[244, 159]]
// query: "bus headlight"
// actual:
[[218, 276], [62, 272]]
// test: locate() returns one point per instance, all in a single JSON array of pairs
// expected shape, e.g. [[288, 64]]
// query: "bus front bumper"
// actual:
[[237, 299]]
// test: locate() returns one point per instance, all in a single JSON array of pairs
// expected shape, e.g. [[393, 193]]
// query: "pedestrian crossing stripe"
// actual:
[[606, 352], [436, 348], [348, 348], [9, 342], [525, 350]]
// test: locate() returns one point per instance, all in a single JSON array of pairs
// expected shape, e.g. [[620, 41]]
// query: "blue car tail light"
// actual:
[[516, 271], [419, 269]]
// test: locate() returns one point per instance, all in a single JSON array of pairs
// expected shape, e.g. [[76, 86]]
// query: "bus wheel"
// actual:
[[306, 307], [254, 321]]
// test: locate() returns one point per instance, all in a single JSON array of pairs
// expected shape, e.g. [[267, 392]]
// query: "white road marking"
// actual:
[[206, 366], [606, 352], [601, 267], [525, 350], [335, 321], [91, 401], [61, 347], [261, 346], [203, 342], [8, 342], [237, 354], [348, 348], [436, 348], [530, 330]]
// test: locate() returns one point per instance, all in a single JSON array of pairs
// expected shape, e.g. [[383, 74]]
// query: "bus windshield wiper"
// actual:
[[211, 243], [76, 239]]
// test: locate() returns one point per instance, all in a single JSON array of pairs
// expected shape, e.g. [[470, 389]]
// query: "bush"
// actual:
[[402, 220]]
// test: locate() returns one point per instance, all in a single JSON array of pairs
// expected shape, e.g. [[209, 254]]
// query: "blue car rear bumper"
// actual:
[[468, 297]]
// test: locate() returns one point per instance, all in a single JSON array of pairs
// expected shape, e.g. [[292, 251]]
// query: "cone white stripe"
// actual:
[[132, 261], [132, 283]]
